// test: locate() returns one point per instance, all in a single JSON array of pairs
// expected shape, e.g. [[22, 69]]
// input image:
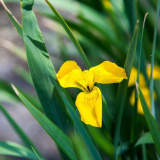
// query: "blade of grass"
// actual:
[[36, 153], [134, 126], [145, 138], [42, 70], [55, 133], [19, 131], [134, 129], [41, 67], [80, 147], [153, 127], [122, 89], [72, 37], [140, 51], [14, 149], [130, 7], [14, 21], [152, 62], [103, 141], [8, 89], [144, 152], [124, 147]]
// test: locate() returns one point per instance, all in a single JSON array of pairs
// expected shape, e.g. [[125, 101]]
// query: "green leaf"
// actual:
[[38, 157], [13, 20], [19, 131], [55, 133], [41, 67], [152, 62], [6, 88], [14, 149], [124, 147], [134, 121], [103, 141], [72, 37], [80, 148], [130, 7], [122, 89], [153, 127], [145, 138]]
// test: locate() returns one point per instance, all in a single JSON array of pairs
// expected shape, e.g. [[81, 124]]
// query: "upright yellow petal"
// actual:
[[133, 75], [156, 72], [108, 72], [88, 79], [90, 107], [70, 74]]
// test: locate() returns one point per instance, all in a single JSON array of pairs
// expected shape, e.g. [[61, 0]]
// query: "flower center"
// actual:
[[88, 88]]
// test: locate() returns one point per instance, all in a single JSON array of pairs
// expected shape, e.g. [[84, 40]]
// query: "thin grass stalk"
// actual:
[[144, 152], [136, 95], [72, 37], [25, 139], [13, 20], [152, 63], [134, 122], [122, 89]]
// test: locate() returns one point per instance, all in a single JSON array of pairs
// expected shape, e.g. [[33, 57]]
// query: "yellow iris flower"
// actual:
[[107, 4], [89, 102], [143, 86]]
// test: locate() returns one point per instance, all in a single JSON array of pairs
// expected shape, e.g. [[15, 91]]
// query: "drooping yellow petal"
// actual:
[[133, 75], [90, 107], [146, 94], [69, 74], [156, 72], [108, 72]]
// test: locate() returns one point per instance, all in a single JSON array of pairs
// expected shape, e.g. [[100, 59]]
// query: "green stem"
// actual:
[[152, 63]]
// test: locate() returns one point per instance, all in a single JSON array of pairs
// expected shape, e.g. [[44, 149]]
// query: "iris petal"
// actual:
[[108, 72], [70, 74], [90, 107]]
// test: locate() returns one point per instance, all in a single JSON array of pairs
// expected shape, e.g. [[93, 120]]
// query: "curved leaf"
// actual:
[[153, 127], [55, 133], [152, 62], [13, 20], [41, 67], [19, 131], [145, 138], [123, 86], [14, 149]]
